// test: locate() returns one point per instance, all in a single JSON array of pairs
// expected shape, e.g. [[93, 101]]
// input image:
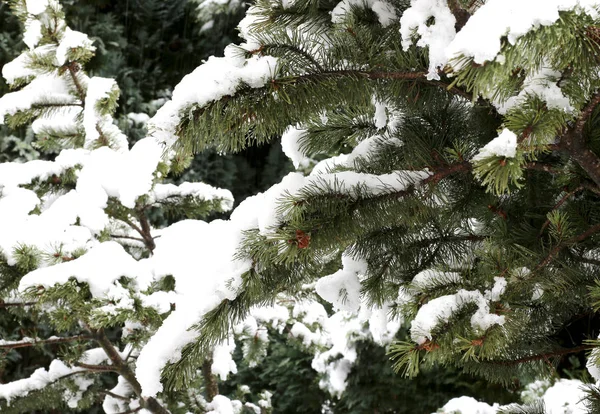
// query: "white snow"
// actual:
[[290, 143], [219, 77], [504, 145], [72, 39], [468, 405], [480, 37], [342, 288], [383, 9], [439, 311], [94, 121], [436, 36], [45, 88]]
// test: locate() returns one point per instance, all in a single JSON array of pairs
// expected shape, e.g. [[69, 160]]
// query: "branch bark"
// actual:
[[36, 341], [573, 142], [149, 403], [540, 357], [210, 381]]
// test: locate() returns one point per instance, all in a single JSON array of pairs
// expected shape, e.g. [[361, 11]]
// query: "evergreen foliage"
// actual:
[[448, 192]]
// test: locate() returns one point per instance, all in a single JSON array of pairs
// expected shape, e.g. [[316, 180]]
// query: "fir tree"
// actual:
[[464, 198], [448, 181]]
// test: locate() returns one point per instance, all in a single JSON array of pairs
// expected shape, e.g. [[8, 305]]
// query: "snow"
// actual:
[[45, 88], [439, 311], [542, 84], [37, 6], [18, 68], [201, 258], [219, 77], [565, 397], [33, 33], [504, 145], [43, 377], [380, 118], [291, 145], [72, 39], [200, 191], [223, 363], [437, 36], [342, 288], [383, 9], [481, 37], [468, 405], [94, 269], [220, 405], [94, 121]]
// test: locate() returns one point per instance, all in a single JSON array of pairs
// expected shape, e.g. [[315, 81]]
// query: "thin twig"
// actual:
[[35, 342]]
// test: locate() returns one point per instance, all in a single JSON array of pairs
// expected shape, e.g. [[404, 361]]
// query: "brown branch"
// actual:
[[558, 205], [127, 237], [144, 232], [445, 171], [117, 396], [210, 381], [149, 403], [11, 304], [147, 235], [538, 166], [546, 356], [73, 68], [96, 368], [35, 342], [573, 142], [461, 15], [589, 232]]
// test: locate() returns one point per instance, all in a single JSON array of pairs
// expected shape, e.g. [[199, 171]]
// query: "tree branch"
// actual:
[[461, 15], [15, 304], [34, 341], [96, 368], [540, 357], [573, 142], [149, 403], [589, 232], [210, 381]]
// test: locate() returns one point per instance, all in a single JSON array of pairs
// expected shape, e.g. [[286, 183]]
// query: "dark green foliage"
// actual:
[[286, 372]]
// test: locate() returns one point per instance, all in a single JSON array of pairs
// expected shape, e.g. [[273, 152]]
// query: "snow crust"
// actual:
[[437, 36], [480, 37], [43, 377], [219, 77], [290, 143], [439, 311], [384, 10], [504, 145], [94, 121], [72, 39]]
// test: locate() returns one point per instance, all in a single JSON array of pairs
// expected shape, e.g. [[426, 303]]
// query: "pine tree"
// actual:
[[83, 216], [464, 197], [447, 180]]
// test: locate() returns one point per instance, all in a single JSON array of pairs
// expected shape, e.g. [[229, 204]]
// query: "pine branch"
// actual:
[[562, 201], [543, 357], [35, 342], [554, 252], [15, 304], [573, 142], [96, 368], [210, 381], [112, 394], [461, 15], [149, 403]]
